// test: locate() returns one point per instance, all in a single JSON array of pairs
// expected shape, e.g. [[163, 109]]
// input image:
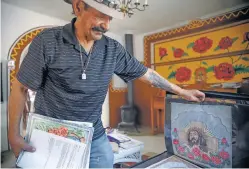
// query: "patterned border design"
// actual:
[[193, 25], [18, 47]]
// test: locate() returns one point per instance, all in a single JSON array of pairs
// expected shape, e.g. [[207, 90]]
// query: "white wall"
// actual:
[[117, 82], [16, 21]]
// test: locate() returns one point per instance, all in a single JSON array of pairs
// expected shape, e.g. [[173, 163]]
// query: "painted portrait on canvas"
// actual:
[[202, 133]]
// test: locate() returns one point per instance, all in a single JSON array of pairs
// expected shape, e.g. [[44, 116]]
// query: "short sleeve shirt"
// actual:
[[53, 68]]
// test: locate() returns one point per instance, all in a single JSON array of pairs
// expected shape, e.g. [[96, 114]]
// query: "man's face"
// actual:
[[194, 137], [93, 22]]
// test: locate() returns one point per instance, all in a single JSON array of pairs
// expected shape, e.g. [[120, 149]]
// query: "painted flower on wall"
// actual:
[[201, 45], [178, 52], [183, 74], [224, 71], [162, 52], [225, 43], [246, 38]]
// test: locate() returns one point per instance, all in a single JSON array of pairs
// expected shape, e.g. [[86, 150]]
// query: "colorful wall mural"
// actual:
[[209, 57]]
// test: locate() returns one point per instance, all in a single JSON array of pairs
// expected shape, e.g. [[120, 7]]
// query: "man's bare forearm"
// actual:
[[16, 106], [153, 78]]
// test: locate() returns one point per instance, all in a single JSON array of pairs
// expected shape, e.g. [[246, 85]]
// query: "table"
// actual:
[[131, 153]]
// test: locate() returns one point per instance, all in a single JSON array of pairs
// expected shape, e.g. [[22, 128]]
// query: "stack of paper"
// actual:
[[58, 143]]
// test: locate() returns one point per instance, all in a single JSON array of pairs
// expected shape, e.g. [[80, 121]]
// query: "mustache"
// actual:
[[99, 29]]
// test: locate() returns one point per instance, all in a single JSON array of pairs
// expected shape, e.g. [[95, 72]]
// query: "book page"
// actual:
[[52, 151]]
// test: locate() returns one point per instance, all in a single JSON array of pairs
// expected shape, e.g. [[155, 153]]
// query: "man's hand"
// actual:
[[153, 78], [18, 144], [17, 101], [192, 95]]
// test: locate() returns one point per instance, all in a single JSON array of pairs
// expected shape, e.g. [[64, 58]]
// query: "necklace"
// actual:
[[84, 65]]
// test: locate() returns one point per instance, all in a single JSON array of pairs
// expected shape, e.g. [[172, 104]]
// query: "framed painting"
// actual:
[[210, 134]]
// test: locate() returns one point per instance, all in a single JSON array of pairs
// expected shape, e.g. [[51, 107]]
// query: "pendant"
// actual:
[[83, 76]]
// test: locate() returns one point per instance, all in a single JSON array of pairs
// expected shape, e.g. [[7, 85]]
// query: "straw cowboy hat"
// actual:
[[105, 6]]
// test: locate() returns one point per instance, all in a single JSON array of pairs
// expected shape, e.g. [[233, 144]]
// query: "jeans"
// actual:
[[101, 153]]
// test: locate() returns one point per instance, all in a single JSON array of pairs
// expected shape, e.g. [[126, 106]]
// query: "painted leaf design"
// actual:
[[170, 67], [244, 42], [172, 75], [234, 39], [217, 48], [210, 69], [205, 63], [245, 58], [173, 48], [185, 54], [239, 69], [190, 45], [228, 162]]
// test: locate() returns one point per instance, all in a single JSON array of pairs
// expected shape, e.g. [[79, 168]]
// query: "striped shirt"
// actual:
[[52, 68]]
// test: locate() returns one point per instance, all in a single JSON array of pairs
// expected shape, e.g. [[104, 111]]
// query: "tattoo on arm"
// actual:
[[158, 81]]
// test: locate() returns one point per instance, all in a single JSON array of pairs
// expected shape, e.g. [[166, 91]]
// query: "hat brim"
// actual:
[[102, 8]]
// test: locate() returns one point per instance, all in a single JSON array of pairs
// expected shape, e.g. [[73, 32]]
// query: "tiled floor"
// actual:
[[154, 144]]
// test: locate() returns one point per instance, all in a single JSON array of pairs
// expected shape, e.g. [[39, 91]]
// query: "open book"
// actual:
[[58, 143]]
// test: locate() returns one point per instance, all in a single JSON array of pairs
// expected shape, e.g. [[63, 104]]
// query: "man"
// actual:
[[70, 68], [196, 138]]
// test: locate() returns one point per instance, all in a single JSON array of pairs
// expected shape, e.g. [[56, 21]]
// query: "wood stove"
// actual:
[[129, 111]]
